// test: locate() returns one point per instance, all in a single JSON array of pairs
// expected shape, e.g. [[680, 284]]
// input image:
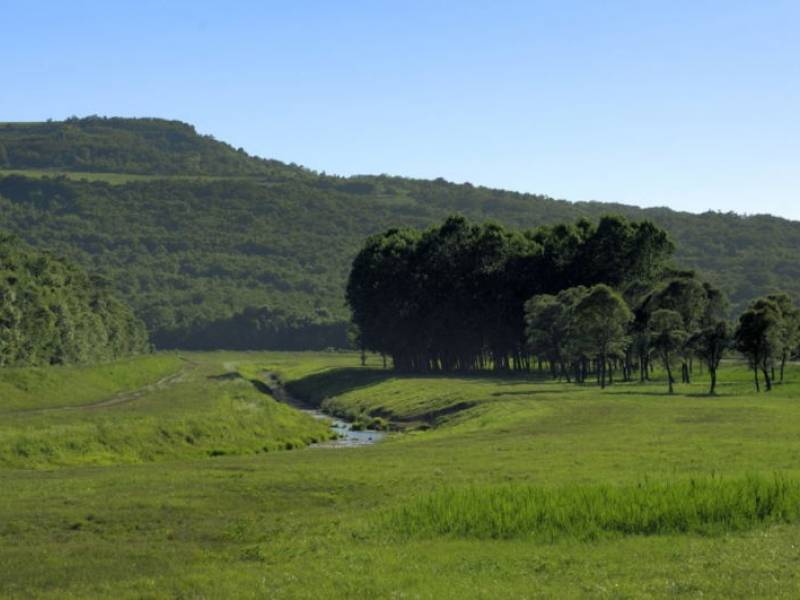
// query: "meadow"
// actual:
[[652, 495]]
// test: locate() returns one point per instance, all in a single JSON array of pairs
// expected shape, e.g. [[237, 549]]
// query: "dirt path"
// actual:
[[120, 398]]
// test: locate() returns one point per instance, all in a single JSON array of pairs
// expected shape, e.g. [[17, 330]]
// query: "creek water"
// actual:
[[347, 436]]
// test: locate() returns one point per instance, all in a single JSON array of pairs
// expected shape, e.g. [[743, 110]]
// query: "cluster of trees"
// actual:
[[52, 312], [213, 232], [583, 300], [673, 318], [674, 321], [768, 334], [452, 297]]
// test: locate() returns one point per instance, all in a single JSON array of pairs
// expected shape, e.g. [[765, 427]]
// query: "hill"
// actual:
[[192, 232], [135, 146]]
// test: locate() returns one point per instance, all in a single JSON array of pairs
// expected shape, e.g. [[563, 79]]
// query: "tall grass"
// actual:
[[704, 506]]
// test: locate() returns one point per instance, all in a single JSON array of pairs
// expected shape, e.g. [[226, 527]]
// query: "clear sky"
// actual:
[[689, 104]]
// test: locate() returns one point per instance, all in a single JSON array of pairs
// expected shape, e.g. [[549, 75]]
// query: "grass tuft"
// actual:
[[703, 506]]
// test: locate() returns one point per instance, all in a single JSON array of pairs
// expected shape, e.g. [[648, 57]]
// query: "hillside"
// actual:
[[192, 231], [134, 146]]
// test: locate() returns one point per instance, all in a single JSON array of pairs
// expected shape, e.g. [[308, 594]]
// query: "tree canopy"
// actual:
[[453, 297], [52, 312]]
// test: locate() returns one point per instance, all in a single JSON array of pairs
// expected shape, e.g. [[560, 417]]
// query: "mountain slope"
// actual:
[[187, 250], [135, 146]]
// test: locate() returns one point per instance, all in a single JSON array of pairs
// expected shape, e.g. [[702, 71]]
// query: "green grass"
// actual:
[[200, 410], [36, 388], [704, 506], [310, 523]]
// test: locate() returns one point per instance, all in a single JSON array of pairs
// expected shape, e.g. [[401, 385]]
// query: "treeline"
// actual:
[[452, 297], [599, 331], [580, 300], [259, 328], [52, 312]]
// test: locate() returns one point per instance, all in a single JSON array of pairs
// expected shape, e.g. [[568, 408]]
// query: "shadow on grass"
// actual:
[[335, 382], [315, 388]]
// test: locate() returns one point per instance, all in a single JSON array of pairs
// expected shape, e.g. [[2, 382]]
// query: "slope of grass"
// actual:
[[207, 410], [34, 388], [307, 523]]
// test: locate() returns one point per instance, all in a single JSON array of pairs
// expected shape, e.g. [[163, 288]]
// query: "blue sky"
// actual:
[[689, 104]]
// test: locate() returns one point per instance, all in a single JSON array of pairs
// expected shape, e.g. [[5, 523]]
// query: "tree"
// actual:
[[687, 296], [789, 328], [758, 337], [601, 324], [710, 344], [667, 337], [549, 327]]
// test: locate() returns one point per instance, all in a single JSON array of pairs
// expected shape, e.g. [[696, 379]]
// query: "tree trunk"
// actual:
[[669, 376], [713, 373], [601, 368], [755, 375]]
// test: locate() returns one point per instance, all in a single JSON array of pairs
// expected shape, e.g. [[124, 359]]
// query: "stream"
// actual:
[[347, 437]]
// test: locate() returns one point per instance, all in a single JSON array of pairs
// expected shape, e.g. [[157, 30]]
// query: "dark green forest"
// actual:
[[203, 240], [53, 312], [584, 299]]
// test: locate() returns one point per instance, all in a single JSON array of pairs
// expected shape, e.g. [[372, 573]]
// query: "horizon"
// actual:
[[683, 107], [473, 183]]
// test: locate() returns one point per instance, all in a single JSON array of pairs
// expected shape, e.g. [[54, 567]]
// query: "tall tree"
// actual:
[[550, 329], [710, 344], [789, 328], [668, 338], [758, 337], [601, 324]]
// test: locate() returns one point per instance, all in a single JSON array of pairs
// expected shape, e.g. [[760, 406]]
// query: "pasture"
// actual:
[[134, 512]]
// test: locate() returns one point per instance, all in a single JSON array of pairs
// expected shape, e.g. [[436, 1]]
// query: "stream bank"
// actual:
[[347, 436]]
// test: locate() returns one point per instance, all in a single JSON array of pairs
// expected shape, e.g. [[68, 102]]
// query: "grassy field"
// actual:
[[170, 522], [141, 410]]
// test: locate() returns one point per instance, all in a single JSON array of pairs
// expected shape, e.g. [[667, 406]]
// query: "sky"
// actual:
[[693, 105]]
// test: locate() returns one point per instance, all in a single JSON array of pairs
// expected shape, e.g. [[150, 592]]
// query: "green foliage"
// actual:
[[702, 506], [601, 320], [452, 298], [710, 345], [52, 312], [192, 232], [762, 335], [116, 145], [668, 336], [549, 328]]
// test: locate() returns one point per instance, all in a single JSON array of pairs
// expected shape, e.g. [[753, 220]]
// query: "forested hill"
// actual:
[[192, 240], [132, 146]]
